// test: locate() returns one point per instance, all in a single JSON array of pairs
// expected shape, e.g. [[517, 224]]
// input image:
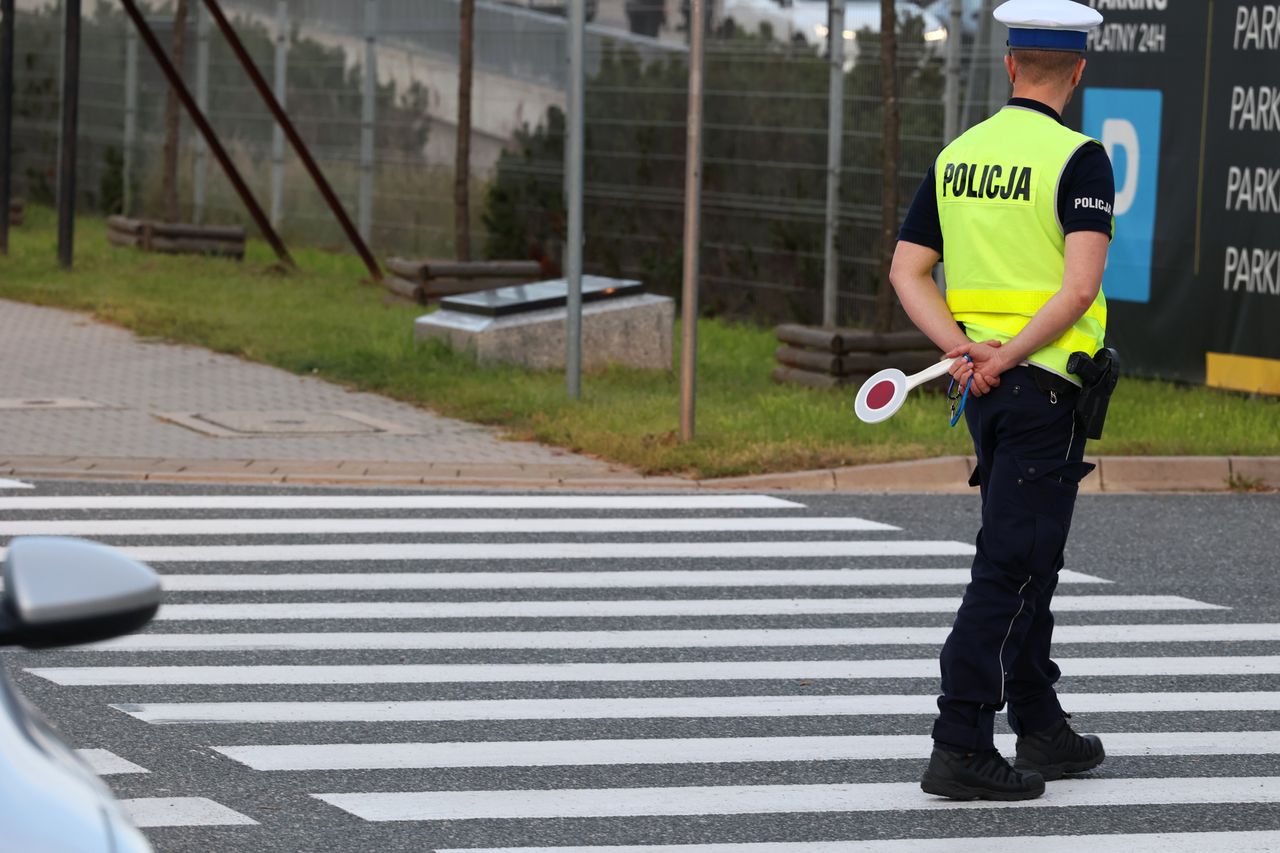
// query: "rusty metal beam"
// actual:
[[282, 118], [69, 134], [207, 131]]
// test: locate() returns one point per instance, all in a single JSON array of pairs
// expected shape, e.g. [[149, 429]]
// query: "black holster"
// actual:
[[1098, 376]]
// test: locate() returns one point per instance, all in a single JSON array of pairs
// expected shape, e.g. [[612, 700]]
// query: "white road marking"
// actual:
[[643, 607], [614, 672], [369, 552], [771, 799], [726, 750], [644, 708], [182, 811], [14, 484], [368, 502], [1163, 842], [451, 526], [581, 580], [709, 638], [104, 762]]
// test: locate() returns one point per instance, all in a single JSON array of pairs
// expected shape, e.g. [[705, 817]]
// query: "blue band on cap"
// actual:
[[1048, 39]]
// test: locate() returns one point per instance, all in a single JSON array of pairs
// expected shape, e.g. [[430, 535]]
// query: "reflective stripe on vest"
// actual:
[[997, 191]]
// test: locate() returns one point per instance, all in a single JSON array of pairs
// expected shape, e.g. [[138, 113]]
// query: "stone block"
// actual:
[[803, 481], [944, 474], [1092, 483], [1164, 473], [633, 331], [589, 483], [1264, 470]]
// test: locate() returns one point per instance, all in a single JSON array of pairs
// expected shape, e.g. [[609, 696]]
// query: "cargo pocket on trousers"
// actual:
[[1049, 487]]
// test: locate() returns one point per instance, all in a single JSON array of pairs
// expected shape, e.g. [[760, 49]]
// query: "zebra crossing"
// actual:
[[604, 674]]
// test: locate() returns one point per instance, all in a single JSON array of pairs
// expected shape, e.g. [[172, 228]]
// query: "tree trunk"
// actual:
[[888, 161], [462, 158], [169, 177]]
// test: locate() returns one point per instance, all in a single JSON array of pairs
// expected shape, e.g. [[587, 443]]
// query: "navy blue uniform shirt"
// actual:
[[1088, 175]]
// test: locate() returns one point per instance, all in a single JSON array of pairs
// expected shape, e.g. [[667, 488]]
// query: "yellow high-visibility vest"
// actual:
[[997, 189]]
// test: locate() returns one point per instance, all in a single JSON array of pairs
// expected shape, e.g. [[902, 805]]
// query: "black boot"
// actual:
[[1057, 750], [982, 775]]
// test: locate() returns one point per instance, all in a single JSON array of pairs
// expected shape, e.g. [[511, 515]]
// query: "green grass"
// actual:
[[321, 321]]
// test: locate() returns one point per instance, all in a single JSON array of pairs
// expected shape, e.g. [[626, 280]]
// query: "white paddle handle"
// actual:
[[942, 368]]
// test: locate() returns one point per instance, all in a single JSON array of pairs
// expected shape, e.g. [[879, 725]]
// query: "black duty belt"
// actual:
[[1047, 381]]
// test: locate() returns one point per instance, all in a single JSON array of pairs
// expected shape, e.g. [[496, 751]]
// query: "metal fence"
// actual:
[[765, 145], [510, 41]]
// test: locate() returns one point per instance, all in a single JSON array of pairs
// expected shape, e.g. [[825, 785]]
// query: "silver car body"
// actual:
[[56, 592], [50, 801]]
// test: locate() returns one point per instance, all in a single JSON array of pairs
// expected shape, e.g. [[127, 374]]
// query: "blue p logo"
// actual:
[[1127, 122]]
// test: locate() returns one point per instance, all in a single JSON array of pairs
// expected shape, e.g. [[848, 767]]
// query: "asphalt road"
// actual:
[[788, 672]]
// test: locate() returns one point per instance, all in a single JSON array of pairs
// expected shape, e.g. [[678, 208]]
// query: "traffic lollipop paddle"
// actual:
[[883, 394]]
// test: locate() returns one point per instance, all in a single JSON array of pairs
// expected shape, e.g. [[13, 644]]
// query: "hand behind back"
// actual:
[[985, 365]]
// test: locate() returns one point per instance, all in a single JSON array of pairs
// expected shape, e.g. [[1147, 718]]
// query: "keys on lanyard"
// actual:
[[958, 399]]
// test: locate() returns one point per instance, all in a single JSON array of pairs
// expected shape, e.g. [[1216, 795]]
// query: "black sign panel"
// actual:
[[1185, 94], [520, 298]]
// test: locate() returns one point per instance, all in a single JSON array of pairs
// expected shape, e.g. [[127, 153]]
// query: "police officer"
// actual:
[[1020, 206]]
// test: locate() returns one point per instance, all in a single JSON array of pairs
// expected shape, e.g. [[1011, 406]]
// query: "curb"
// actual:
[[941, 475]]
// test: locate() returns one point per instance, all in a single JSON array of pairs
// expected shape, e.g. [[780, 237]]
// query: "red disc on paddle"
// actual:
[[881, 394]]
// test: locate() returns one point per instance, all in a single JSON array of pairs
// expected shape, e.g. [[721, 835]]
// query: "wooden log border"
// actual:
[[836, 358], [176, 238], [808, 378], [841, 341], [427, 271], [423, 281], [854, 363]]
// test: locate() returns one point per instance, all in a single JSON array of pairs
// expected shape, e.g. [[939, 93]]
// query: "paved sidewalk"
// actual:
[[86, 400], [81, 396]]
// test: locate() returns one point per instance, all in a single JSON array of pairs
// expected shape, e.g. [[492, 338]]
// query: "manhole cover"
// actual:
[[230, 424], [35, 403]]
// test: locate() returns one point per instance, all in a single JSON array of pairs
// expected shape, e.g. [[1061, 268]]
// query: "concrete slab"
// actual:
[[633, 331]]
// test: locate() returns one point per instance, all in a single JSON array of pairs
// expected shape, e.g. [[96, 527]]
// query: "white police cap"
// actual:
[[1048, 24]]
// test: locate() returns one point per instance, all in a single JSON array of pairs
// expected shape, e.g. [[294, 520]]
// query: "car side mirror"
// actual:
[[63, 592]]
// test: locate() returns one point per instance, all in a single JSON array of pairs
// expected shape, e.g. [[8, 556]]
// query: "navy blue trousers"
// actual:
[[1030, 465]]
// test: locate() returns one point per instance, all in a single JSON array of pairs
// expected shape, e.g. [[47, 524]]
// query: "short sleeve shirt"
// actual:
[[1085, 195]]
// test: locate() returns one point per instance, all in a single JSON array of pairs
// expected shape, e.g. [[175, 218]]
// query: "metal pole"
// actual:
[[997, 78], [202, 124], [277, 133], [462, 137], [835, 155], [70, 125], [573, 152], [692, 220], [130, 141], [951, 99], [6, 120], [974, 106], [299, 147], [202, 99], [368, 116], [951, 95]]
